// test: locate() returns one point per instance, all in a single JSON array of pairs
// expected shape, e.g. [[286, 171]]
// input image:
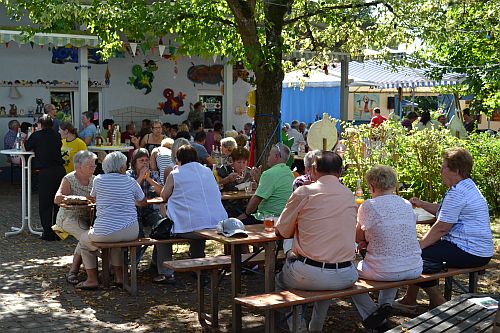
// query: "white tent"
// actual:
[[315, 79]]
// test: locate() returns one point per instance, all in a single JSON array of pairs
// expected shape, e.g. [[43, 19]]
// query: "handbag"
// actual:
[[431, 267], [162, 229]]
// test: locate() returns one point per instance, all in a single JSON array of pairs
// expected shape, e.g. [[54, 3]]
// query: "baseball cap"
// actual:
[[232, 227]]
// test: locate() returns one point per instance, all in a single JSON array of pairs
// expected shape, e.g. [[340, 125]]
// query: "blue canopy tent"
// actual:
[[320, 94]]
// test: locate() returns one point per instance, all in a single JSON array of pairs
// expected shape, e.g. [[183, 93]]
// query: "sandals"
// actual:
[[72, 278], [83, 286]]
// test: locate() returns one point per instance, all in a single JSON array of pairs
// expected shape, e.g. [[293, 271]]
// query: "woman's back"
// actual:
[[390, 230]]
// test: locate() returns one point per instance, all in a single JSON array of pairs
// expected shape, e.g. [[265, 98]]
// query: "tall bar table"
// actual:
[[25, 191]]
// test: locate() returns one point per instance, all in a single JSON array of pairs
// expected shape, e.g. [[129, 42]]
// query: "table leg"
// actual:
[[28, 208], [236, 285], [269, 275], [15, 230]]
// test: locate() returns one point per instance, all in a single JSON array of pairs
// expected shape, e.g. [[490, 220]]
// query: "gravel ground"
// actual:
[[34, 296]]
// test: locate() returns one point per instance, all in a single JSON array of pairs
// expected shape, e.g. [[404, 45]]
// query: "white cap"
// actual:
[[231, 227]]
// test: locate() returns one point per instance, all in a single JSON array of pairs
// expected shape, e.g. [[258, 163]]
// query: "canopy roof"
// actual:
[[383, 75], [7, 36], [315, 79]]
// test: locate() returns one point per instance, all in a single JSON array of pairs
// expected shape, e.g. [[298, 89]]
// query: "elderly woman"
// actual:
[[149, 215], [194, 200], [47, 147], [386, 229], [305, 179], [76, 222], [461, 237], [116, 196]]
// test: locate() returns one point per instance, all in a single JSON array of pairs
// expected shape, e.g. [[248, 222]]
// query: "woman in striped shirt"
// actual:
[[461, 237], [116, 196]]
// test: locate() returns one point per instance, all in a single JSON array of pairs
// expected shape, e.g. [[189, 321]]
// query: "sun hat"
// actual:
[[231, 227]]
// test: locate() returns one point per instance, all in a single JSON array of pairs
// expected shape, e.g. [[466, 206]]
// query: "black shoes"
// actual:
[[377, 318]]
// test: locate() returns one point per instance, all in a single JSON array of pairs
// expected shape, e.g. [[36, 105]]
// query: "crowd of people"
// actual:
[[315, 211]]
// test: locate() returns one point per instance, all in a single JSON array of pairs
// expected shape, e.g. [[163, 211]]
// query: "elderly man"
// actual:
[[323, 231], [275, 187], [88, 133], [292, 132], [9, 141], [51, 110]]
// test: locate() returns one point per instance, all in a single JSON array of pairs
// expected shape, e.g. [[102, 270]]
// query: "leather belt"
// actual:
[[324, 264]]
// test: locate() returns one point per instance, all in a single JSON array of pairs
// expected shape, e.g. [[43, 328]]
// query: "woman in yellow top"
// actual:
[[71, 144]]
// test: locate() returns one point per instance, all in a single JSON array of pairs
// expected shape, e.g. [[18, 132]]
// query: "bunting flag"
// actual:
[[153, 50], [143, 47], [133, 48], [161, 49]]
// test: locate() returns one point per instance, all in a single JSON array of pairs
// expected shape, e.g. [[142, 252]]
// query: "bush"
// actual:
[[416, 156]]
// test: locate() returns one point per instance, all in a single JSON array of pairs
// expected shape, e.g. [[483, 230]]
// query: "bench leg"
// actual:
[[270, 268], [236, 286], [473, 277], [201, 300], [133, 270], [296, 318], [448, 287], [106, 279], [214, 285]]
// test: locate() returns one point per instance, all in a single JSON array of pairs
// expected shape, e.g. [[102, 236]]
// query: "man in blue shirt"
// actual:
[[88, 133]]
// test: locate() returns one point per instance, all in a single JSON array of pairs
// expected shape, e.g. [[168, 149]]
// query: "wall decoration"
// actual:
[[61, 55], [205, 74], [364, 105], [173, 103], [143, 79]]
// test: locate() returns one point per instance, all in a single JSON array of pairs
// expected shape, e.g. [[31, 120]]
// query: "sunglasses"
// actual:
[[278, 149]]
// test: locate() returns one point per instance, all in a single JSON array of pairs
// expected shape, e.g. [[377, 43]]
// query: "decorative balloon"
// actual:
[[251, 101]]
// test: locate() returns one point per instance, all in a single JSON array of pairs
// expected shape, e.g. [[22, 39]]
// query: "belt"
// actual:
[[324, 264]]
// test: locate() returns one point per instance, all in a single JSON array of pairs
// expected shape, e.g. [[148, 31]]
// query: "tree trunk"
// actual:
[[268, 111]]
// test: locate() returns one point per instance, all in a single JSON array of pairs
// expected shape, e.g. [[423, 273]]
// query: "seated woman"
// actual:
[[386, 228], [461, 237], [194, 200], [161, 158], [116, 196], [226, 147], [235, 173], [76, 221], [149, 215], [152, 140]]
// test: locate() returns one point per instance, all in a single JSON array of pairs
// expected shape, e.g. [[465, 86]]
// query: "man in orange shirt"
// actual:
[[321, 218], [377, 118]]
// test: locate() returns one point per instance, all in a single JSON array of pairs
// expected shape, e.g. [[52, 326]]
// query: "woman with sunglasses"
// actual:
[[152, 140]]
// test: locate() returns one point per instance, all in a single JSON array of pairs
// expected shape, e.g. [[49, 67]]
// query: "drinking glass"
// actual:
[[269, 223], [248, 186]]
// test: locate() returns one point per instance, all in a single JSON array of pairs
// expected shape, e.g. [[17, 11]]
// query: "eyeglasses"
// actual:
[[156, 127]]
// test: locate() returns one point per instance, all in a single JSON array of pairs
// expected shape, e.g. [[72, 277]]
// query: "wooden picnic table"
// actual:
[[457, 315], [236, 195], [256, 235], [110, 148], [423, 217]]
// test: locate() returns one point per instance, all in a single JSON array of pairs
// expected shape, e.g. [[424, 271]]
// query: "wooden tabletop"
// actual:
[[110, 148], [236, 195], [256, 234]]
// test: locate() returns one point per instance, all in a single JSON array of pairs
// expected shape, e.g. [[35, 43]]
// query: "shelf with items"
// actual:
[[49, 84]]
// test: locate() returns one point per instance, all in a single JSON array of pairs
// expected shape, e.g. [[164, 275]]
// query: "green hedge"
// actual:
[[417, 157]]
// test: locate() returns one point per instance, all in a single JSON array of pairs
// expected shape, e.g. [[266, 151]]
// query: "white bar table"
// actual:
[[110, 148], [26, 191]]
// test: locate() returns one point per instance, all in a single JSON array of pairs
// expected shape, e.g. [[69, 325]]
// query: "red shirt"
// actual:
[[377, 120]]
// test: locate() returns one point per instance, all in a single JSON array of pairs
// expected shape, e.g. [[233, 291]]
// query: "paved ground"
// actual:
[[34, 296]]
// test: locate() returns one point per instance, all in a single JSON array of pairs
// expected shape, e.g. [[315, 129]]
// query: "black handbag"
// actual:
[[162, 229], [431, 267]]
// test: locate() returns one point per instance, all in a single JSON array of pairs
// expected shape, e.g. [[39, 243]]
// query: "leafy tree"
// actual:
[[261, 33]]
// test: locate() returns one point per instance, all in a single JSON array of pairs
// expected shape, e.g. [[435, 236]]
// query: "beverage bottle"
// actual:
[[98, 137], [19, 139], [359, 197], [110, 134], [216, 175], [118, 135], [113, 137]]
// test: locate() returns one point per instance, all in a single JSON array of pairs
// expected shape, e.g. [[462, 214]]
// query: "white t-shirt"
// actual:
[[390, 230], [297, 138], [115, 196]]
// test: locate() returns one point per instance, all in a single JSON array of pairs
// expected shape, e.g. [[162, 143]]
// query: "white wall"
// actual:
[[31, 64]]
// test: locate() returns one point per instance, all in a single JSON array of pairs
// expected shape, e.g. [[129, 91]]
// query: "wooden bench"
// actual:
[[129, 249], [295, 298], [457, 315], [214, 265]]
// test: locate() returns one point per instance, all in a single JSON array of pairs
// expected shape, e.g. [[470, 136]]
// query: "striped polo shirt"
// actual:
[[115, 196], [465, 207], [163, 160]]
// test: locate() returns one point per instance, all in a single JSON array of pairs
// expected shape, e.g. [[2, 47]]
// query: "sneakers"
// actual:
[[405, 308], [164, 279]]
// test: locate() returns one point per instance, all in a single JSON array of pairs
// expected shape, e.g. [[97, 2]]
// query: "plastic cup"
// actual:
[[359, 201], [248, 187], [269, 223], [127, 142]]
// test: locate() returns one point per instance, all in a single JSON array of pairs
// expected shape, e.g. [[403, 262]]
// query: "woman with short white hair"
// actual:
[[116, 196], [386, 228]]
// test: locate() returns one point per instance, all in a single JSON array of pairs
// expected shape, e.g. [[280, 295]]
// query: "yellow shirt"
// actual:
[[68, 151], [321, 217]]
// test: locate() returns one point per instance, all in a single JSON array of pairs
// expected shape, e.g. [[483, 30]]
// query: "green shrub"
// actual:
[[416, 156]]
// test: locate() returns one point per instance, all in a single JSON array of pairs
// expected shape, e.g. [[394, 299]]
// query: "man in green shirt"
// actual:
[[275, 187]]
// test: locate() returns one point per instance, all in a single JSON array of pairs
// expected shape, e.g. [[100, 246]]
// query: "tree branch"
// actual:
[[325, 9]]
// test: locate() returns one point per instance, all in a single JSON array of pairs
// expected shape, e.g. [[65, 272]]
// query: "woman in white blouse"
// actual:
[[386, 229]]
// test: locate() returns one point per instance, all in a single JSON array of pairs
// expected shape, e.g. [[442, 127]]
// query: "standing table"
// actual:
[[256, 235], [25, 191]]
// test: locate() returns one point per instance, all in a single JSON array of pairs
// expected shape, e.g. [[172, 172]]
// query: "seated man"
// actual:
[[9, 141], [199, 141], [321, 257], [275, 187]]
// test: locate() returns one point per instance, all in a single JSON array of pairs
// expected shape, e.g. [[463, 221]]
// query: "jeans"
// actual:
[[298, 275]]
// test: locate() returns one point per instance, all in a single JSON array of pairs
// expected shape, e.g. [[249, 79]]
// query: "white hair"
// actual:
[[82, 157], [310, 157], [114, 162]]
